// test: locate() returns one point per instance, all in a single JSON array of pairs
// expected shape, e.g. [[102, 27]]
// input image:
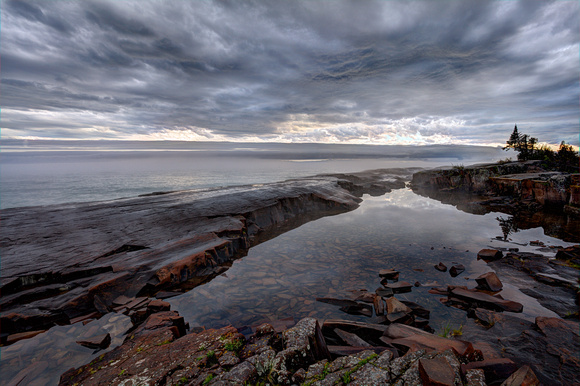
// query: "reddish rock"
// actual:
[[495, 370], [158, 305], [417, 309], [161, 320], [265, 329], [22, 335], [366, 297], [486, 300], [337, 302], [436, 372], [523, 377], [408, 336], [489, 282], [395, 306], [384, 292], [441, 267], [97, 342], [489, 254], [379, 306]]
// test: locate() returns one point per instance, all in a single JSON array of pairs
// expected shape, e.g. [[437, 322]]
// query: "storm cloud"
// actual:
[[384, 72]]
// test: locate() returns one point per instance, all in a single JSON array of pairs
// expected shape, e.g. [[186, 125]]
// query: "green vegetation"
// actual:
[[346, 377], [207, 379], [234, 345], [564, 160], [447, 331]]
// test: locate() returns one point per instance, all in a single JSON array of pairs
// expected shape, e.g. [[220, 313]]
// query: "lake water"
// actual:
[[50, 172], [329, 257]]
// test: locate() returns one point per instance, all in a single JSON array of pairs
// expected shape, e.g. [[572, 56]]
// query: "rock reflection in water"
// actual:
[[334, 255]]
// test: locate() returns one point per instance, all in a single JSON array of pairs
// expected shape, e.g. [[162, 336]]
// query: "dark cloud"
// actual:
[[373, 71]]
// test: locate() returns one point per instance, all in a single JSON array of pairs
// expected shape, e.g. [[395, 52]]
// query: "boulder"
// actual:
[[351, 339], [395, 306], [489, 254], [379, 306], [489, 282], [441, 267], [436, 372], [456, 269], [495, 370], [523, 377]]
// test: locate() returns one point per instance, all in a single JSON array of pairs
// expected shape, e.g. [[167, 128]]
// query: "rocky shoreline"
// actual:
[[66, 264], [168, 247]]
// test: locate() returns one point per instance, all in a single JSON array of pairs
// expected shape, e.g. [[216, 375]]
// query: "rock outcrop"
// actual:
[[71, 262]]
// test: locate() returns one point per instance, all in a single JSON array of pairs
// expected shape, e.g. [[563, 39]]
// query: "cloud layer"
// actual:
[[384, 72]]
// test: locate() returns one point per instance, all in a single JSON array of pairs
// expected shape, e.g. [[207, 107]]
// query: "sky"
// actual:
[[358, 72]]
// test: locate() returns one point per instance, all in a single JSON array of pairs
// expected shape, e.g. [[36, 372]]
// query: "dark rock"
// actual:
[[417, 309], [384, 292], [167, 294], [337, 302], [523, 377], [441, 267], [350, 350], [489, 282], [495, 370], [489, 254], [101, 341], [456, 269], [399, 287], [358, 309], [367, 331], [304, 344], [408, 336], [351, 339], [389, 274], [244, 373], [486, 300], [436, 372]]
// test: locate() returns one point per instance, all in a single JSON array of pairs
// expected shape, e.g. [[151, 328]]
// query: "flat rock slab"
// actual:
[[399, 287], [487, 300], [118, 249], [489, 254]]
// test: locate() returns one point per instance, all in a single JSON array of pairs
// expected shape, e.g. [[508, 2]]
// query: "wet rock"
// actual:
[[399, 287], [384, 292], [98, 342], [367, 331], [22, 335], [489, 254], [489, 282], [495, 370], [395, 306], [366, 297], [523, 377], [456, 269], [486, 300], [569, 254], [389, 274], [358, 309], [417, 309], [379, 306], [441, 267], [337, 302], [436, 372]]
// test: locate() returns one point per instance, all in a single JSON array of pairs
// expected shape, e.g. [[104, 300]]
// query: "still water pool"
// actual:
[[333, 256]]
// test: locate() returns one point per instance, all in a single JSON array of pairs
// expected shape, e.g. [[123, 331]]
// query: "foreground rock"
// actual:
[[396, 354], [76, 261]]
